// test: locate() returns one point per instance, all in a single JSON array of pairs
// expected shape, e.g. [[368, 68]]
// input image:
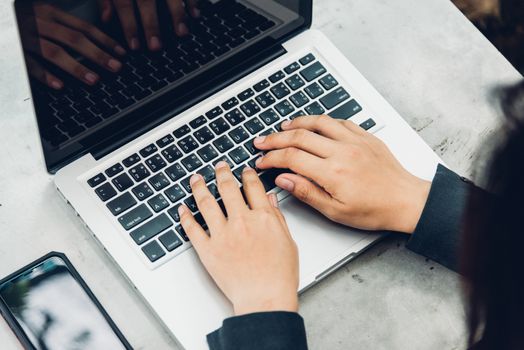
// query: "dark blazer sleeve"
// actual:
[[438, 232], [260, 331]]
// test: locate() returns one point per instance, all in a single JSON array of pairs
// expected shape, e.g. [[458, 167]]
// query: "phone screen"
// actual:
[[54, 311]]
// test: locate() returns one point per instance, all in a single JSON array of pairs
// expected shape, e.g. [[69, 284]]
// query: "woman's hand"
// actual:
[[250, 253], [346, 173]]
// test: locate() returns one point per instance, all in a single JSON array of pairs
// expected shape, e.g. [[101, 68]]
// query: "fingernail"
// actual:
[[221, 164], [181, 210], [120, 50], [286, 124], [114, 64], [285, 184], [273, 199], [246, 169], [258, 161], [135, 44], [259, 140], [55, 84], [182, 29], [195, 178], [155, 43], [196, 12], [91, 78]]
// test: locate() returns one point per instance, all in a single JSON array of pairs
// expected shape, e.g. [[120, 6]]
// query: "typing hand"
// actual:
[[346, 173], [250, 254], [57, 31], [149, 18]]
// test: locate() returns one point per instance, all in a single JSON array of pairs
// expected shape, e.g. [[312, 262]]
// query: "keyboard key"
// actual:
[[219, 126], [295, 82], [307, 59], [223, 144], [155, 163], [139, 172], [265, 99], [296, 115], [268, 132], [164, 141], [238, 172], [188, 144], [175, 193], [328, 82], [122, 182], [334, 98], [200, 219], [215, 112], [280, 91], [198, 122], [175, 172], [208, 173], [269, 117], [96, 180], [182, 131], [368, 124], [170, 240], [250, 108], [314, 90], [158, 203], [153, 251], [180, 230], [173, 212], [131, 160], [224, 159], [172, 154], [105, 192], [207, 153], [213, 189], [204, 135], [191, 204], [121, 204], [159, 181], [261, 85], [234, 117], [277, 76], [284, 108], [142, 191], [149, 150], [115, 169], [135, 217], [186, 184], [347, 110], [151, 228], [238, 155], [299, 99], [191, 163], [232, 102], [268, 178], [254, 126], [293, 67], [244, 95], [314, 109], [239, 134], [250, 146], [313, 71]]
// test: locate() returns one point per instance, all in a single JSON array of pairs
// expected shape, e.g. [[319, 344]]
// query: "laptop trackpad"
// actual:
[[321, 242]]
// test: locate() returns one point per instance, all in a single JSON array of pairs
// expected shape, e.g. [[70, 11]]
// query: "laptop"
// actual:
[[124, 147]]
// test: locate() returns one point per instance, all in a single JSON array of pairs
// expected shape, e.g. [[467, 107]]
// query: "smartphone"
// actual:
[[49, 307]]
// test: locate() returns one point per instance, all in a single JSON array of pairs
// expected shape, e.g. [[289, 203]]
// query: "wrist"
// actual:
[[281, 303]]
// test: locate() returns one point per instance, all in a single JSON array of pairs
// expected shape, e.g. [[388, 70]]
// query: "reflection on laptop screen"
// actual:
[[93, 62]]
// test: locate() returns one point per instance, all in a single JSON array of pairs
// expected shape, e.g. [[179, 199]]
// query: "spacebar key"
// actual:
[[346, 111], [151, 228], [268, 178]]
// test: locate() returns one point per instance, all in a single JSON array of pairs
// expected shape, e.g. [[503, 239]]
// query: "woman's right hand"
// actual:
[[346, 173]]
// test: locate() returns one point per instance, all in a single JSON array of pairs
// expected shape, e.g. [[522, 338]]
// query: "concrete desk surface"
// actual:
[[428, 61]]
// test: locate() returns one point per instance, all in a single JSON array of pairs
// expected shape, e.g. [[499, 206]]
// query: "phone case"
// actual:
[[15, 326]]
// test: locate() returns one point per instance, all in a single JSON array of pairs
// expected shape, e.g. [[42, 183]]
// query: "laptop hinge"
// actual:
[[219, 82]]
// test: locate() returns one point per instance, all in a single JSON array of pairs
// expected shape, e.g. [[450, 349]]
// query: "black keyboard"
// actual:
[[144, 190], [78, 108]]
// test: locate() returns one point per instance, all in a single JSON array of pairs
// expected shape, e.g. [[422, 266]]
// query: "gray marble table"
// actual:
[[423, 56]]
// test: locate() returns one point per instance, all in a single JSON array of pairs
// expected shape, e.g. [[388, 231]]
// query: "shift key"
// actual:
[[135, 217], [151, 228]]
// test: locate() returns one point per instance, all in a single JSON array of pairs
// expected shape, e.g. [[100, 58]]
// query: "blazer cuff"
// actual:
[[437, 235], [260, 331]]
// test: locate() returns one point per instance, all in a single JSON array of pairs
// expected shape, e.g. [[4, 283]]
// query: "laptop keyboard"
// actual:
[[144, 190], [78, 108]]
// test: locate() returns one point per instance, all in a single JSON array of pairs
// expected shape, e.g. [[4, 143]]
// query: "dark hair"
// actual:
[[493, 242]]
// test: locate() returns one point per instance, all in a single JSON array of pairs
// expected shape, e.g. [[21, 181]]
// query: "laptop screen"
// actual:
[[103, 71]]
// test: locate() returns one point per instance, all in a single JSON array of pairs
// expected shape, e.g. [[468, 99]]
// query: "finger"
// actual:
[[126, 15], [254, 190], [206, 203], [306, 191], [106, 10], [57, 55], [229, 190], [193, 9], [90, 31], [354, 128], [322, 125], [299, 138], [178, 14], [37, 71], [149, 16], [194, 231], [80, 43], [295, 159]]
